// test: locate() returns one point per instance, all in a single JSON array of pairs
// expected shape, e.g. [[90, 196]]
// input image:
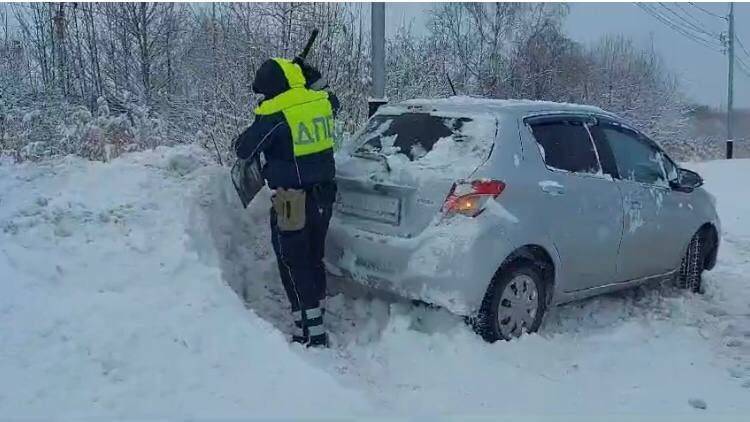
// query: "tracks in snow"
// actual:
[[242, 242]]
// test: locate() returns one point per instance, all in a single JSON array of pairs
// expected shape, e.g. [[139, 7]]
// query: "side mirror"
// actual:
[[687, 181]]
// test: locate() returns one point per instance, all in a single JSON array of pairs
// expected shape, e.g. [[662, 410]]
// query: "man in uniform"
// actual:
[[293, 129]]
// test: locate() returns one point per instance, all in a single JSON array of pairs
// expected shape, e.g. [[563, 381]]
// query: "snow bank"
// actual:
[[110, 308], [726, 180], [114, 304]]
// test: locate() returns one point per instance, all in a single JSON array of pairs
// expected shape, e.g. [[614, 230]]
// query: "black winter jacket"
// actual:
[[270, 135]]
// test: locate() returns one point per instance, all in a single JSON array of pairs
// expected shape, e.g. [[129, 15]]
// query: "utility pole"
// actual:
[[377, 31], [5, 16], [730, 83]]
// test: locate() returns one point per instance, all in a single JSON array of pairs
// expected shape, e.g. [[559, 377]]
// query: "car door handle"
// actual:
[[636, 205], [553, 189]]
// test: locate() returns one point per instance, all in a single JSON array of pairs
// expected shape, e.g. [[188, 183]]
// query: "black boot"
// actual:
[[300, 340], [318, 341]]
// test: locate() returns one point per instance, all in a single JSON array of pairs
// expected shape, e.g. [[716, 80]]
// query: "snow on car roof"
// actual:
[[485, 105]]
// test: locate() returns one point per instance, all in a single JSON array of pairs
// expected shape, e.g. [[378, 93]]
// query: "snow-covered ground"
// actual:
[[114, 303]]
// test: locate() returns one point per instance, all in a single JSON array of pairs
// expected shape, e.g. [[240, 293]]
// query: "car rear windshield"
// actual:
[[411, 134]]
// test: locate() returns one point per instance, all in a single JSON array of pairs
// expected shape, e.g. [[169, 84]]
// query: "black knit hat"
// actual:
[[270, 80]]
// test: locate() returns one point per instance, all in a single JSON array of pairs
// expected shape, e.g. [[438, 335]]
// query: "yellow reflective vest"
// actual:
[[308, 113]]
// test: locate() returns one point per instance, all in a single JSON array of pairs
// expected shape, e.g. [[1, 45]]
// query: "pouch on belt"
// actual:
[[289, 205]]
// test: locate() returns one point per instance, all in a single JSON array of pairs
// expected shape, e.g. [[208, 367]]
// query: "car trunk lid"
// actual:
[[405, 164]]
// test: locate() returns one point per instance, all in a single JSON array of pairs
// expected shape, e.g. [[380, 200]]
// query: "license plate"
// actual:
[[381, 208]]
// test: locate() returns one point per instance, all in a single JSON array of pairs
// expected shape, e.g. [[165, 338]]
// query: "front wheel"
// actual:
[[514, 303], [691, 269]]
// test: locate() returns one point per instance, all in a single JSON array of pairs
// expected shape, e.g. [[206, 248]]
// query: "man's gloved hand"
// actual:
[[312, 75], [314, 80]]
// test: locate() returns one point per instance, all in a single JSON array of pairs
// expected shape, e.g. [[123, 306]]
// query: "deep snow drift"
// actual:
[[114, 302]]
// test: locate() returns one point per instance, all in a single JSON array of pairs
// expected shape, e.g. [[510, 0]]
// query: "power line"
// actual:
[[693, 28], [708, 12], [696, 25], [687, 32], [742, 46], [679, 28], [687, 11], [742, 66]]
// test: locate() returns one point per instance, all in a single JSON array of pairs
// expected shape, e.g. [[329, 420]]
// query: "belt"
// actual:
[[317, 187], [321, 192]]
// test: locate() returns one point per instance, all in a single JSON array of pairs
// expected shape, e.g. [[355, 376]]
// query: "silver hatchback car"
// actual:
[[499, 209]]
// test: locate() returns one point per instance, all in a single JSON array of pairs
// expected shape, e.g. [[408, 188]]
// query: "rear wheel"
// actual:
[[691, 269], [514, 304]]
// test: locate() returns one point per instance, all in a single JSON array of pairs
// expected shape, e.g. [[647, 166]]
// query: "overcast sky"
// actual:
[[702, 72]]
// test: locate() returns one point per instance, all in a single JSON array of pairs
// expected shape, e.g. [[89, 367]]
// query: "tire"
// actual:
[[520, 280], [693, 263]]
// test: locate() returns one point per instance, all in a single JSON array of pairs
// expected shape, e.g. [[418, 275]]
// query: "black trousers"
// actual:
[[299, 255]]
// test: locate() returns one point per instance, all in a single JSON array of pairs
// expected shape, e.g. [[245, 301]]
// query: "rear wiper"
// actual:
[[369, 155]]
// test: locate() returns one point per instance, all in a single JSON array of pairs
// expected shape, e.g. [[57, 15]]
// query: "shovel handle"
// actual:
[[303, 55]]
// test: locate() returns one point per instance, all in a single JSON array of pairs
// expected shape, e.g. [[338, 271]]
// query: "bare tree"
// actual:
[[77, 76]]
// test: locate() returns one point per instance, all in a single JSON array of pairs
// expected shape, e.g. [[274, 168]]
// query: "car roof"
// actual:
[[478, 105]]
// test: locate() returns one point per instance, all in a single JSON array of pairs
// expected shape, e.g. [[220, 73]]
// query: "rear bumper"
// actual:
[[450, 264]]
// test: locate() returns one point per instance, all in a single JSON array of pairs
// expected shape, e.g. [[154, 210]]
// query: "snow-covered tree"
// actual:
[[175, 73]]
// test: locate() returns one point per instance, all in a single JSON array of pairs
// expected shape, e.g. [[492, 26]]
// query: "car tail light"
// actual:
[[469, 198]]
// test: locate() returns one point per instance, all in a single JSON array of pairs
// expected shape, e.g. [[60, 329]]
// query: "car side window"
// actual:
[[606, 158], [566, 145], [671, 169], [637, 158]]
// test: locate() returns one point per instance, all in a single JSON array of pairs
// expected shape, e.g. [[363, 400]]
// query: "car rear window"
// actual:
[[411, 134]]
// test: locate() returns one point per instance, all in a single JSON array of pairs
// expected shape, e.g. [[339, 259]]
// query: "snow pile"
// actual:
[[114, 304], [108, 308]]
